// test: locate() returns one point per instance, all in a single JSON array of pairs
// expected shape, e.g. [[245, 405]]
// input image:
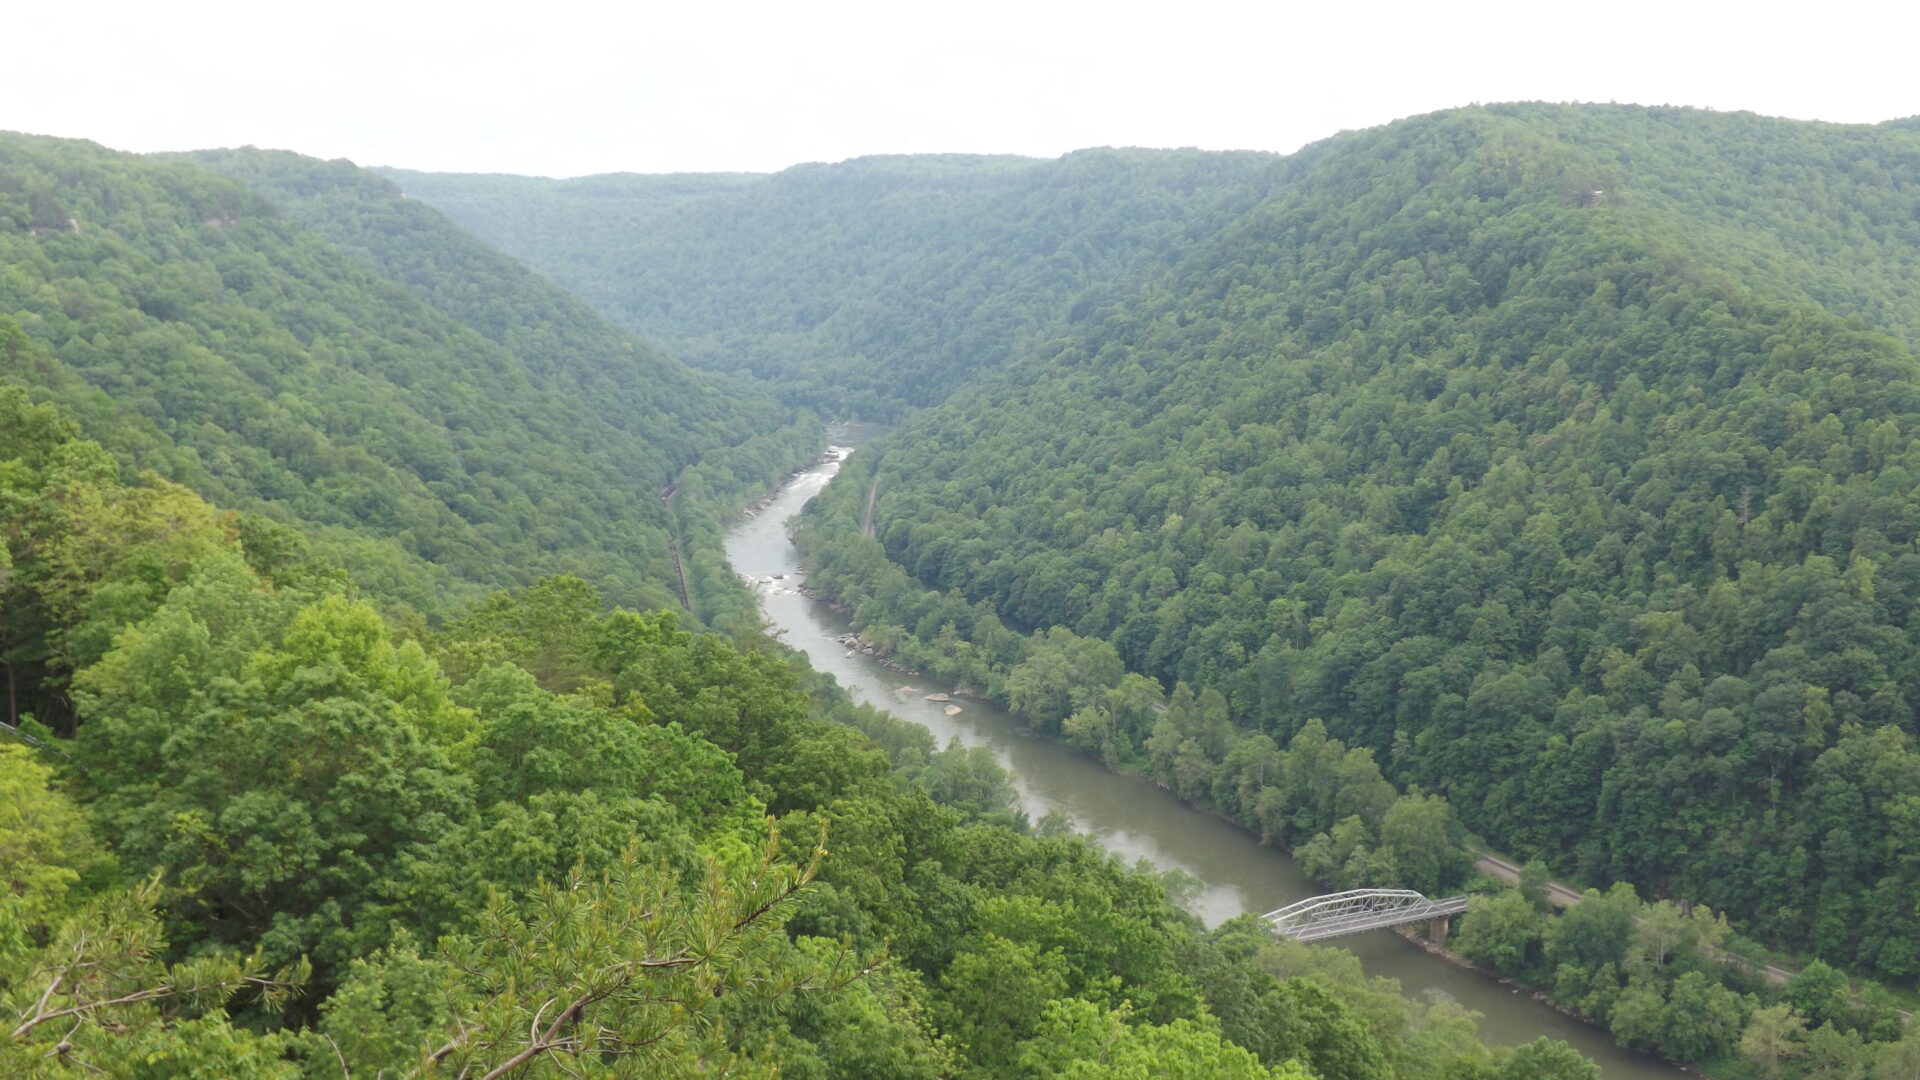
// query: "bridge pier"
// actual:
[[1437, 930]]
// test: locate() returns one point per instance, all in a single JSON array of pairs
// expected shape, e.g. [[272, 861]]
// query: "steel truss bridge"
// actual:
[[1356, 911]]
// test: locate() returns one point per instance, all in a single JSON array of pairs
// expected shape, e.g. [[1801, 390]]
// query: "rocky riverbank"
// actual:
[[855, 646]]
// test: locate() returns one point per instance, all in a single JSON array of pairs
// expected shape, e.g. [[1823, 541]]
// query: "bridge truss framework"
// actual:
[[1356, 911]]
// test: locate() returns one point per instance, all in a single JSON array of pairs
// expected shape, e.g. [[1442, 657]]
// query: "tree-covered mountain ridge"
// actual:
[[866, 288], [1563, 457], [297, 340]]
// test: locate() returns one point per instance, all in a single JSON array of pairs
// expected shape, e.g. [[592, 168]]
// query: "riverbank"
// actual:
[[1124, 812], [1744, 974], [1560, 895], [1535, 993]]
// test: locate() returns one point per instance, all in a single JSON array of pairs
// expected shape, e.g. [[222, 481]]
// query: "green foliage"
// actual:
[[96, 996], [537, 742], [315, 786], [84, 980], [569, 802], [1060, 676], [1831, 1054], [1545, 1059], [542, 630], [1314, 1005], [277, 785], [1704, 1019], [46, 849], [1080, 1040], [1561, 457], [1822, 995], [867, 288], [1503, 931], [1533, 883], [623, 971], [1597, 930], [1899, 1060], [969, 779], [311, 346], [386, 1014], [86, 554], [995, 996], [880, 1026], [1331, 1041], [1772, 1038]]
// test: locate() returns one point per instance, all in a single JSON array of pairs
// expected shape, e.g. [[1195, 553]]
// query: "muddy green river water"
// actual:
[[1128, 815]]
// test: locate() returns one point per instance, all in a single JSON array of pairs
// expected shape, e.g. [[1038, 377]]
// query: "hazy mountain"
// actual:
[[866, 287]]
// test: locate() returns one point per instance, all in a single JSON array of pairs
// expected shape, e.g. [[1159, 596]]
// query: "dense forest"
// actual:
[[1561, 459], [312, 348], [869, 287], [378, 701], [286, 791], [288, 839]]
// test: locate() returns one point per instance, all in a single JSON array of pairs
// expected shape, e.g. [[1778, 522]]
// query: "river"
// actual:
[[1128, 815]]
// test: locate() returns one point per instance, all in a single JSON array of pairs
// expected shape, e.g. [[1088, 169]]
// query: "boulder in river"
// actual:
[[938, 697], [954, 710]]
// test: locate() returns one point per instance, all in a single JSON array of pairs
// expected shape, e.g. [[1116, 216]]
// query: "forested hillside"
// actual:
[[1550, 474], [259, 819], [1567, 459], [280, 839], [868, 287], [317, 350]]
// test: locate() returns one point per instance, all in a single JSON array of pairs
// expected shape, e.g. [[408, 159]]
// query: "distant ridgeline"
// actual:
[[1567, 458], [297, 340], [870, 287]]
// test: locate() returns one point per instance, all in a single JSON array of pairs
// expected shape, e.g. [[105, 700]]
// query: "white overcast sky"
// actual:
[[563, 88]]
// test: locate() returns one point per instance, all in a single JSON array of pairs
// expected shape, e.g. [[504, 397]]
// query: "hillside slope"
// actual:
[[439, 418], [254, 831], [1565, 457], [323, 797], [868, 287]]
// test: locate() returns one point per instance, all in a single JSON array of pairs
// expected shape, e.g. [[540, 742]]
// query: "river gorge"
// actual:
[[1127, 815]]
